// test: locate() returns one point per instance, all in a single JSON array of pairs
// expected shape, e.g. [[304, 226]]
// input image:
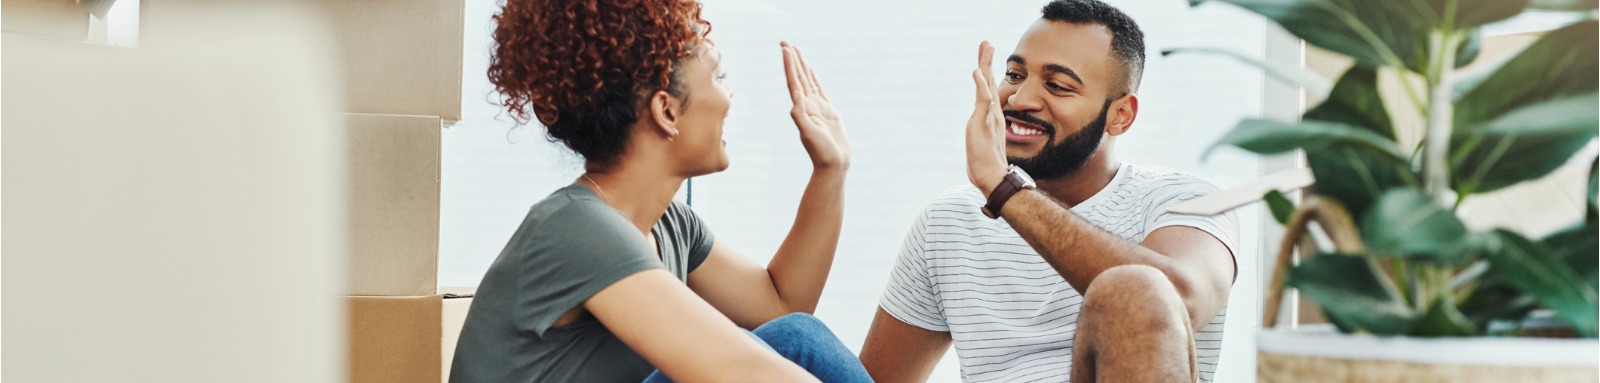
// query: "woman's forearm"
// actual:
[[800, 268]]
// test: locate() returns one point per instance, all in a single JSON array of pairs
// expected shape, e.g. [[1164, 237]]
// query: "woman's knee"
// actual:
[[792, 323]]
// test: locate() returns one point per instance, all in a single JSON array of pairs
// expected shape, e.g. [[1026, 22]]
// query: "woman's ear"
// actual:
[[1122, 114], [665, 111]]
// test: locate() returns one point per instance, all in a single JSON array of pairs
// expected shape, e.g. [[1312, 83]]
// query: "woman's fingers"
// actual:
[[791, 71], [810, 75]]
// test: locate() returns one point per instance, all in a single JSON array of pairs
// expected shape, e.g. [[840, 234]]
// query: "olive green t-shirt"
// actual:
[[570, 246]]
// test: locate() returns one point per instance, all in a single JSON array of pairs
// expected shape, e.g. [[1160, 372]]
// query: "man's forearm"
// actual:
[[1076, 249], [800, 267]]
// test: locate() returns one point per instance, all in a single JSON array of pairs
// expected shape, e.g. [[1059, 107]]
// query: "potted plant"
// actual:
[[1413, 293]]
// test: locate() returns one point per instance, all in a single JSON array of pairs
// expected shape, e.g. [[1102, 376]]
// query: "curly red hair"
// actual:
[[583, 67]]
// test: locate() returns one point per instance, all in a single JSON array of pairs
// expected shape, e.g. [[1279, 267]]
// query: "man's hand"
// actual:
[[986, 134], [821, 131]]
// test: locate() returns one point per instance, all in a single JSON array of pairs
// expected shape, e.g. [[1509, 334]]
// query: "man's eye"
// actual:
[[1057, 88], [1013, 77]]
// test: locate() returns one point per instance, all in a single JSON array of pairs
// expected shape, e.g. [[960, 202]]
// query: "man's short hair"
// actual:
[[1127, 41]]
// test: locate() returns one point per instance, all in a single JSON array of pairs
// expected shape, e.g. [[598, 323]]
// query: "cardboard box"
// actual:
[[55, 18], [400, 57], [456, 302], [394, 204], [404, 339]]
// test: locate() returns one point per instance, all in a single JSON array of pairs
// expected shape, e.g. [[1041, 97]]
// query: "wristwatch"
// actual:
[[1015, 181]]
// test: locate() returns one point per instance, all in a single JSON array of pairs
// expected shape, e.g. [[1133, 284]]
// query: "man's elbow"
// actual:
[[1203, 300]]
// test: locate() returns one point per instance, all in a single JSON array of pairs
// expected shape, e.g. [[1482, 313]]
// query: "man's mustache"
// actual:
[[1048, 128]]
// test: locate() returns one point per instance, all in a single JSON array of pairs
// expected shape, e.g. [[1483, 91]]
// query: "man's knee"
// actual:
[[1134, 294]]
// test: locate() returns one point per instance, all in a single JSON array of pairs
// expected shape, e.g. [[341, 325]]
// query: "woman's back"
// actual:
[[570, 246]]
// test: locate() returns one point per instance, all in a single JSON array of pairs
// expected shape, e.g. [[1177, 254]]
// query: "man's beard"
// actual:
[[1060, 159]]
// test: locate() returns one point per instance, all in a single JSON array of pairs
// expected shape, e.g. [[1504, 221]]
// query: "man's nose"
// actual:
[[1022, 99]]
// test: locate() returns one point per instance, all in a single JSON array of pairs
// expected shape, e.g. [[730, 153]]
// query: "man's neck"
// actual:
[[639, 190], [1078, 186]]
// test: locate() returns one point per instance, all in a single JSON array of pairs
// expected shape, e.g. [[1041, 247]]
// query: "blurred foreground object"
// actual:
[[175, 212]]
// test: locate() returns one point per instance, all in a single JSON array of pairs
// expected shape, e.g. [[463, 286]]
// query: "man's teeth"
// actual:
[[1022, 131]]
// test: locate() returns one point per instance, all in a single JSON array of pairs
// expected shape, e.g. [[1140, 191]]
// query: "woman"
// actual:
[[608, 279]]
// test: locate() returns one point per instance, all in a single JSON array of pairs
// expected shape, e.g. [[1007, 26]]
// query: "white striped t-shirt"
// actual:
[[1011, 316]]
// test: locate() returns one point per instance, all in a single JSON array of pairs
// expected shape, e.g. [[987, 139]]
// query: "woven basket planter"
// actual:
[[1321, 354]]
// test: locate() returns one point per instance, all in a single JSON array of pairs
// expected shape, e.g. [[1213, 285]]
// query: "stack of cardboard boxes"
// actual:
[[401, 68]]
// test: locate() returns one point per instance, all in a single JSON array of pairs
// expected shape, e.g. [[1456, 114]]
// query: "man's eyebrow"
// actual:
[[1049, 68], [1063, 70]]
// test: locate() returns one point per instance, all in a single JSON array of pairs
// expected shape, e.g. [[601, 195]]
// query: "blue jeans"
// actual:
[[804, 340]]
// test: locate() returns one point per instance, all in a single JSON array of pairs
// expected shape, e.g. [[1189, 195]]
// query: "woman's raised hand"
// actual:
[[821, 131]]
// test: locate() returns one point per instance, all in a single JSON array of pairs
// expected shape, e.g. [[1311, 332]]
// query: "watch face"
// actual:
[[1027, 180]]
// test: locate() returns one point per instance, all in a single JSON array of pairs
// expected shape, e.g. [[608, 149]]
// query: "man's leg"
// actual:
[[1133, 327]]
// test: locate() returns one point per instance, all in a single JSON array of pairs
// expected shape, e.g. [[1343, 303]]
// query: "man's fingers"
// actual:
[[996, 117], [984, 95], [986, 62]]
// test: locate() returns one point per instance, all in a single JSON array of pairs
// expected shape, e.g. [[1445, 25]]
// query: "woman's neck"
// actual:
[[641, 194]]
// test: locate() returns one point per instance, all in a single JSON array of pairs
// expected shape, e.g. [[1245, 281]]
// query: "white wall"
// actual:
[[899, 73]]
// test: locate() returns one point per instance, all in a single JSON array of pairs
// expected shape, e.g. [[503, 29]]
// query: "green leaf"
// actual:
[[1563, 63], [1279, 205], [1373, 32], [1355, 176], [1472, 13], [1443, 319], [1292, 74], [1594, 183], [1353, 293], [1469, 49], [1495, 300], [1272, 137], [1565, 5], [1405, 222], [1355, 101], [1525, 144], [1345, 172], [1579, 247], [1534, 269]]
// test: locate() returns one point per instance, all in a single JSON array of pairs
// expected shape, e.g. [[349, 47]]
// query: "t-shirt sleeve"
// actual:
[[1172, 191], [910, 296], [695, 231], [572, 255]]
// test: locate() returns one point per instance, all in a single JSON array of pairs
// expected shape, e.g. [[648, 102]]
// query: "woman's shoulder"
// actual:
[[570, 216]]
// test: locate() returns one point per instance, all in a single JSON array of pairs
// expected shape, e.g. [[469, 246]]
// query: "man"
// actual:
[[1084, 276]]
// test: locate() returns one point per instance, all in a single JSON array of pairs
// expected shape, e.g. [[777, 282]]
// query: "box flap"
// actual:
[[458, 291]]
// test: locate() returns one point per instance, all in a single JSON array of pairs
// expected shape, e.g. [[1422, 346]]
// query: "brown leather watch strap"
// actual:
[[1009, 186]]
